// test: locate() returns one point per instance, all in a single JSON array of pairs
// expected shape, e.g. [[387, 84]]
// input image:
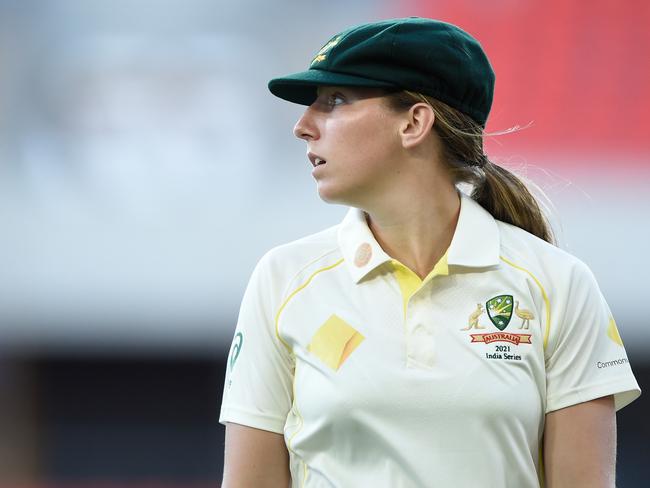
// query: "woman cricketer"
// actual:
[[433, 338]]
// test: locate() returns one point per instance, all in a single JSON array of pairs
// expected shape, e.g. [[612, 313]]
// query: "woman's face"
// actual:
[[355, 133]]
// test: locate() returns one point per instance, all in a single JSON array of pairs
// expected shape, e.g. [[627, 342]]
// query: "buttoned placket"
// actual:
[[363, 254], [419, 333]]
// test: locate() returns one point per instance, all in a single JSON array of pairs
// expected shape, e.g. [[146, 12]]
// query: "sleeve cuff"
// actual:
[[625, 392], [257, 420]]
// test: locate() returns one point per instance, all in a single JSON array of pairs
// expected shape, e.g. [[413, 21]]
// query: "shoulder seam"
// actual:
[[303, 268], [292, 294]]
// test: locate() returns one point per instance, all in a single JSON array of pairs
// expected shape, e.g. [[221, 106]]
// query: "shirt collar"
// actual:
[[475, 243]]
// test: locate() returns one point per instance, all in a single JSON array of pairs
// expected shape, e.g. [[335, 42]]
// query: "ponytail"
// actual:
[[508, 199], [496, 189]]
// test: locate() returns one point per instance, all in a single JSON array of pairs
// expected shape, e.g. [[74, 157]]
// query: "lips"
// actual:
[[315, 159]]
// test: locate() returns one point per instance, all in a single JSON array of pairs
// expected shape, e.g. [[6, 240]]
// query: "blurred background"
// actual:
[[145, 168]]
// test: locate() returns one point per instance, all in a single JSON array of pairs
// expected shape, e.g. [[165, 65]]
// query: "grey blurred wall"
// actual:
[[144, 168]]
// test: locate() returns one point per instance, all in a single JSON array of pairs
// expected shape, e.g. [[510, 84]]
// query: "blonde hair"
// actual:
[[496, 189]]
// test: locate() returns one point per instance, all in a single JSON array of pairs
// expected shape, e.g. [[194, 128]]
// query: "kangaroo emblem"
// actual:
[[473, 318]]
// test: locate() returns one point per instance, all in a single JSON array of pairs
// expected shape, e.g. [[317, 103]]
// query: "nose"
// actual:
[[306, 127]]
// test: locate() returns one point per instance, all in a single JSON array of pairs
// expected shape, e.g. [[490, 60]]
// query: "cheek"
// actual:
[[361, 140]]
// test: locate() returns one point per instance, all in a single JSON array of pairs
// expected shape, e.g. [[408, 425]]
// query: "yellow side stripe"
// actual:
[[293, 293], [546, 301], [304, 464], [541, 477], [277, 333]]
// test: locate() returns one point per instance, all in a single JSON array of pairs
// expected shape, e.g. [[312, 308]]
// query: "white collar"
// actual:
[[475, 243]]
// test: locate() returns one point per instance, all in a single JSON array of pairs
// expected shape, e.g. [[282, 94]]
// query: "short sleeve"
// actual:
[[259, 372], [587, 358]]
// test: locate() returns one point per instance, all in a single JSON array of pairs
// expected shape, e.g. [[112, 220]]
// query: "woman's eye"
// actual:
[[329, 101], [335, 99]]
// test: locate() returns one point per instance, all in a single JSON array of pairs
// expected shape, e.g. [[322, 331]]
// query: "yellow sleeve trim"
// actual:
[[544, 295], [292, 294]]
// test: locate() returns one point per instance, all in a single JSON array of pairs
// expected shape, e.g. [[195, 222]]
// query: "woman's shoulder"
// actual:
[[541, 258], [289, 261], [304, 249]]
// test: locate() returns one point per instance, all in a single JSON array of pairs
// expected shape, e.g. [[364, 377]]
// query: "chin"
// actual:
[[330, 195], [327, 199], [338, 200], [350, 194]]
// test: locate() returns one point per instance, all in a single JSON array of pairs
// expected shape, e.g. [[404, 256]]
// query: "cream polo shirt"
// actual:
[[379, 379]]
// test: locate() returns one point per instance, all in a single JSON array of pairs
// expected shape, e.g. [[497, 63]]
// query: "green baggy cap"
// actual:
[[428, 56]]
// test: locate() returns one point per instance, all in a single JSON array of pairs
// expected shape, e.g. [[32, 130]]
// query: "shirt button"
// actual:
[[421, 330]]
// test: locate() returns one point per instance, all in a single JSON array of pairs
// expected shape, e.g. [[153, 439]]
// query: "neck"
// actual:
[[417, 232]]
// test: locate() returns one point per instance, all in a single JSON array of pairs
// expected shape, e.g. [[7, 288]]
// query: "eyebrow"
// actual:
[[320, 89]]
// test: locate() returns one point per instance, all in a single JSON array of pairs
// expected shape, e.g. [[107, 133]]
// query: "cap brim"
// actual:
[[301, 87]]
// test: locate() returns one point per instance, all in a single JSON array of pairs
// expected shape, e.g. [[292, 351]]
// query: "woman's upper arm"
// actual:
[[258, 389], [580, 445], [255, 458]]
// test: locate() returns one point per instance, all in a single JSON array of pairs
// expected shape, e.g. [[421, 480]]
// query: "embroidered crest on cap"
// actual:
[[322, 54]]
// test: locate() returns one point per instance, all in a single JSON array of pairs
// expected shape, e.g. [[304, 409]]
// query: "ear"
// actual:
[[417, 125]]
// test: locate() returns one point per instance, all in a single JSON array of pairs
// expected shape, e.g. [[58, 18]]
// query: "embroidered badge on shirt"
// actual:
[[499, 310], [473, 318]]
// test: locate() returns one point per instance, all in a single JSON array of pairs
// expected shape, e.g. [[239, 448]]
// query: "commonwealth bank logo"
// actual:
[[612, 332]]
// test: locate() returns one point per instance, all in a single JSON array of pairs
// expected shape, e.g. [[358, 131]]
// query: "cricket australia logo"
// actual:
[[499, 310]]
